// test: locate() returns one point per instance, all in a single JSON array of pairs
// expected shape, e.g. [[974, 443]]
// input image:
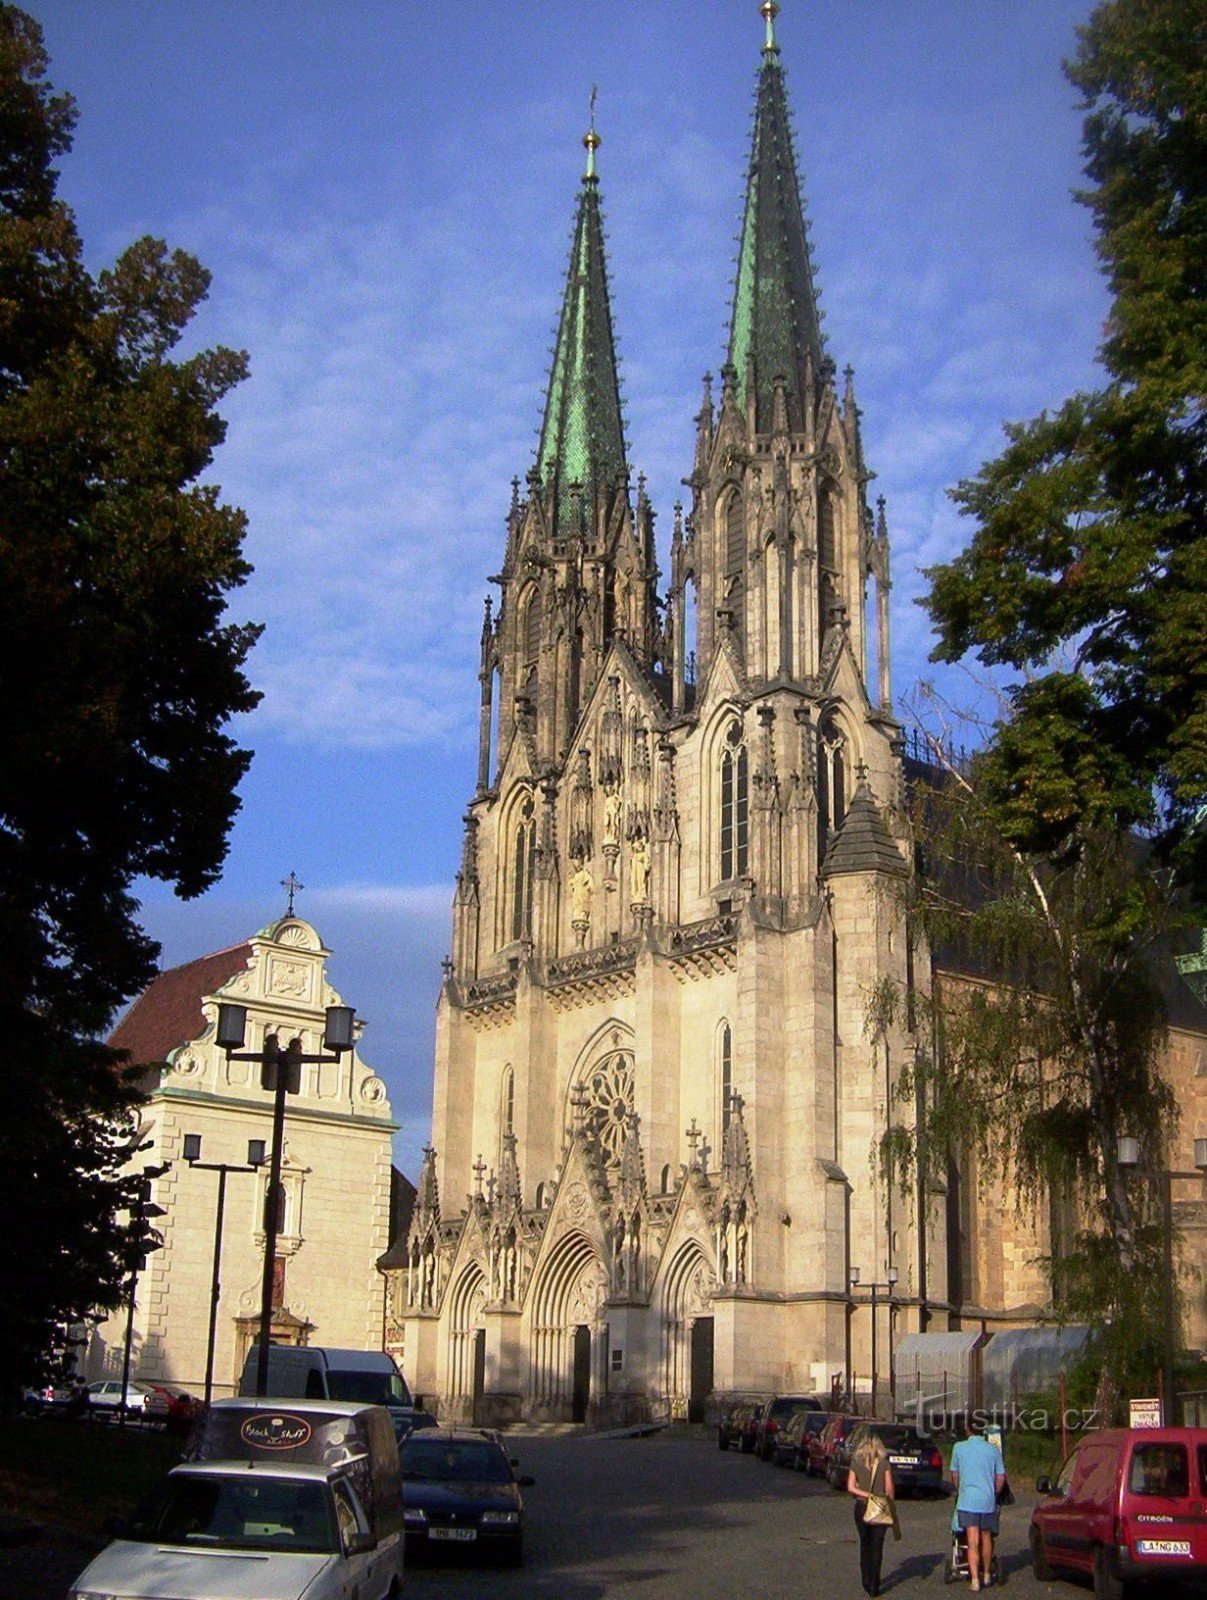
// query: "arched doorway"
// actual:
[[466, 1343], [566, 1322], [686, 1359]]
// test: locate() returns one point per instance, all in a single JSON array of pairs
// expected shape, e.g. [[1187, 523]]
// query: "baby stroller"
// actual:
[[956, 1568]]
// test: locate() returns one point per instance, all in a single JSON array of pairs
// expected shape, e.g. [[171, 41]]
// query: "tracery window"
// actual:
[[735, 806], [530, 637], [609, 1103], [522, 873]]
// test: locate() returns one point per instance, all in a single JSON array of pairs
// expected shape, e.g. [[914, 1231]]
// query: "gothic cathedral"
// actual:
[[658, 1095]]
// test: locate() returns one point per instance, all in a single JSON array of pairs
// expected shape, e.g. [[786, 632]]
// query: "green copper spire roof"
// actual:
[[775, 318], [582, 437]]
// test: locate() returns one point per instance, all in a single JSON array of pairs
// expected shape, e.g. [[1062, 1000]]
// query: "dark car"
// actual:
[[777, 1413], [913, 1456], [822, 1447], [791, 1448], [749, 1435], [736, 1416], [459, 1491]]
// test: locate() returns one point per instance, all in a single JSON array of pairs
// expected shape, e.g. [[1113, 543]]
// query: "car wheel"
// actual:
[[723, 1444], [515, 1556], [1107, 1583]]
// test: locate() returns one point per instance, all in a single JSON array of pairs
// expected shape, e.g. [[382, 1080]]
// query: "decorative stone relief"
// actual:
[[290, 979]]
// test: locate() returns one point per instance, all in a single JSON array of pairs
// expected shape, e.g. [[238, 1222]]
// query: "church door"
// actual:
[[582, 1374], [702, 1336], [479, 1372]]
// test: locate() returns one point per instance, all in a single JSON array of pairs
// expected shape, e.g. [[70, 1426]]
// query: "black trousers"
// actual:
[[871, 1548]]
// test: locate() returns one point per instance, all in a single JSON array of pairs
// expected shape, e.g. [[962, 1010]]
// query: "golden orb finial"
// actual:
[[591, 139], [769, 10]]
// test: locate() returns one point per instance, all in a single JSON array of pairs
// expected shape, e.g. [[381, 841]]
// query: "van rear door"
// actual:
[[1163, 1507]]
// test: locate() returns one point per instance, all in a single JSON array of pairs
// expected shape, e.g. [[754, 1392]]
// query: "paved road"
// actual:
[[669, 1518], [663, 1518]]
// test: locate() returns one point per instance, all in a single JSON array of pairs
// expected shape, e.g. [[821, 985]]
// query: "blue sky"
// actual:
[[383, 191]]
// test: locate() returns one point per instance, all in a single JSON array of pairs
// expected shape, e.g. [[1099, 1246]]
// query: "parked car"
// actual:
[[735, 1415], [750, 1428], [108, 1393], [776, 1414], [1126, 1504], [913, 1456], [791, 1447], [173, 1407], [294, 1502], [822, 1447], [459, 1491]]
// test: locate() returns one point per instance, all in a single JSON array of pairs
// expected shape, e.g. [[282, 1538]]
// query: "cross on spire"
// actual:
[[479, 1172], [291, 885]]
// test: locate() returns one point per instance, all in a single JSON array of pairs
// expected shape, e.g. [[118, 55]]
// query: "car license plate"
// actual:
[[902, 1461], [1162, 1547], [462, 1535]]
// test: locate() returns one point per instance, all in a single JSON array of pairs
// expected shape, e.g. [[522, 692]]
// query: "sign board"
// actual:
[[1144, 1413]]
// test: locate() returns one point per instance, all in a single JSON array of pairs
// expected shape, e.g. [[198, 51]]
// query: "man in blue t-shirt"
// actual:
[[978, 1473]]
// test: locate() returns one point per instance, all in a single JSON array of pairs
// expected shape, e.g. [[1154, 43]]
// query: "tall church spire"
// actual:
[[582, 437], [775, 324]]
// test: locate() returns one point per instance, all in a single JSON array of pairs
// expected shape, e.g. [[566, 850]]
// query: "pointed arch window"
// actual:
[[530, 642], [725, 1077], [831, 784], [735, 806], [522, 873], [506, 1108], [827, 560], [735, 536]]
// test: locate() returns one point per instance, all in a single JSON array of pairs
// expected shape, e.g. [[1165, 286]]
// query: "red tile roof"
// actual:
[[168, 1012]]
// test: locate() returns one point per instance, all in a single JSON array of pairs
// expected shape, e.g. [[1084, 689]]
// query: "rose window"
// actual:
[[609, 1102]]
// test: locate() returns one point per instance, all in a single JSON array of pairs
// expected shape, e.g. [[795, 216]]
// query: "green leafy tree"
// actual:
[[1087, 573], [119, 674], [1086, 577]]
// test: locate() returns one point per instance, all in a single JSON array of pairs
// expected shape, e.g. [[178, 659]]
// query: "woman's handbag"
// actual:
[[879, 1510]]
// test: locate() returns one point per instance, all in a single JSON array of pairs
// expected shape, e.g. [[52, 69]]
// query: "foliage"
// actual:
[[1043, 1025], [1087, 572], [119, 674]]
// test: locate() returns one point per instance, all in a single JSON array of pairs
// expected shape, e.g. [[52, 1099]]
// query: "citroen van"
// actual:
[[1128, 1503], [272, 1503]]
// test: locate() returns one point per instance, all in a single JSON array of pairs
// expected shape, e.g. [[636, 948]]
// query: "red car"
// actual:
[[173, 1407], [1128, 1503], [826, 1447]]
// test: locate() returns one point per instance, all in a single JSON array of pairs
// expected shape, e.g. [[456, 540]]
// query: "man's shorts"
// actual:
[[986, 1520]]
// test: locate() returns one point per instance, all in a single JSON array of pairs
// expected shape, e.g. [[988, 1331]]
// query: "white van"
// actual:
[[274, 1503], [321, 1372]]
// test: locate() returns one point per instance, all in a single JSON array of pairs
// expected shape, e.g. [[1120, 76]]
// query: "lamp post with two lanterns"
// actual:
[[255, 1160], [281, 1073], [889, 1284], [1127, 1153]]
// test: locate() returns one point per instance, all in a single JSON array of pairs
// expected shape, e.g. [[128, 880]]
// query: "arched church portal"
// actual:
[[567, 1331], [686, 1352], [466, 1343]]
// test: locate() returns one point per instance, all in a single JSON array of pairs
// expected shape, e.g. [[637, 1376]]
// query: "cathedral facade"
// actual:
[[658, 1093]]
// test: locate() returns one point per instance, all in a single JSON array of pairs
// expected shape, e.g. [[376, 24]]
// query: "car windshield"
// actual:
[[250, 1512], [455, 1461], [368, 1388]]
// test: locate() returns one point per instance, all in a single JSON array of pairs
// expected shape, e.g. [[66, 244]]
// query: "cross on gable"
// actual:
[[291, 885]]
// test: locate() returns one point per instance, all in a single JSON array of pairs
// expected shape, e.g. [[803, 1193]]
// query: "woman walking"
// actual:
[[870, 1481]]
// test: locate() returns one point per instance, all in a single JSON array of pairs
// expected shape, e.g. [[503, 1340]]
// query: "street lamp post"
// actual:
[[890, 1283], [255, 1160], [1128, 1156], [280, 1071]]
